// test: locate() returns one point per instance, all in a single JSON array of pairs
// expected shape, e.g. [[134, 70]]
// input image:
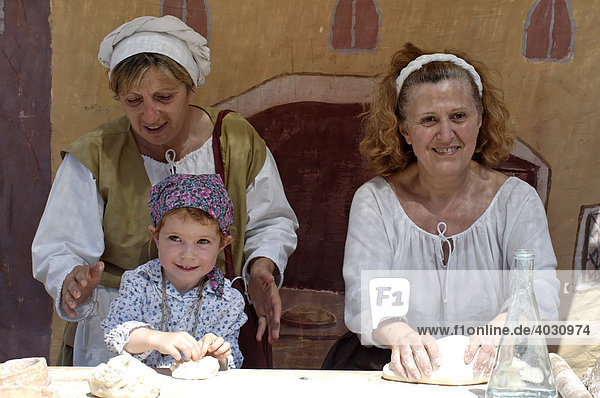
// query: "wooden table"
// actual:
[[71, 382]]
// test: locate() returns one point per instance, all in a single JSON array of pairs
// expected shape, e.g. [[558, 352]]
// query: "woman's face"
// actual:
[[187, 250], [442, 124], [158, 108]]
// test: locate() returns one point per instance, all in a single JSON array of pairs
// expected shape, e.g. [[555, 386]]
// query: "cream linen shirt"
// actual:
[[382, 237]]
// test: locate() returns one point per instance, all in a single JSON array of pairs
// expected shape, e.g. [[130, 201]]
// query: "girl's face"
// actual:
[[187, 250], [157, 109], [442, 124]]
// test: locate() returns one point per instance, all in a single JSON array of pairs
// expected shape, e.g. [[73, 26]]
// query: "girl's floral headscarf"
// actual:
[[203, 191]]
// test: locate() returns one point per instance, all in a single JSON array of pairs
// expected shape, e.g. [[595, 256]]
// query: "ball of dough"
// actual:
[[124, 377], [452, 372], [195, 370]]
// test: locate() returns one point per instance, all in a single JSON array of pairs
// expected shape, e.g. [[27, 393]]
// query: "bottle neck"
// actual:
[[523, 275]]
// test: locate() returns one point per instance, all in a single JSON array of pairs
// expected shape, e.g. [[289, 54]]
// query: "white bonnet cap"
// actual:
[[166, 35]]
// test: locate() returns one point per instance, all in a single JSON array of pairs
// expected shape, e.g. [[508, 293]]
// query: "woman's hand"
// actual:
[[265, 298], [78, 285], [413, 355], [487, 346], [217, 347]]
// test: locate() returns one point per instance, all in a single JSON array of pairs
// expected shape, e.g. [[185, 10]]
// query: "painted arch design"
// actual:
[[549, 34], [195, 13], [355, 26]]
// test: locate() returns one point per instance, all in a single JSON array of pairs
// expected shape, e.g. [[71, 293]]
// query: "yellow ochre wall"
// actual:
[[553, 104]]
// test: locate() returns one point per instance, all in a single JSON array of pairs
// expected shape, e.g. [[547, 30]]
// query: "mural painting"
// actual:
[[300, 71], [313, 133], [195, 14], [355, 26], [549, 32], [313, 129]]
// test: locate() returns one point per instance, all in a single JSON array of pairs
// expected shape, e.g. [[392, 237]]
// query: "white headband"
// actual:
[[418, 63], [167, 35]]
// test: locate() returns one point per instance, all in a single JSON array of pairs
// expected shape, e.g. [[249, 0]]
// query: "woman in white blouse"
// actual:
[[94, 224], [434, 126]]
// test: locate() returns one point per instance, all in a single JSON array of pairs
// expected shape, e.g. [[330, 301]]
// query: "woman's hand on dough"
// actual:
[[411, 353], [487, 346], [78, 285]]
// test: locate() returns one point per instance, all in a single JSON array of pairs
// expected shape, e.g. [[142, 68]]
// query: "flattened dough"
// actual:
[[195, 370], [452, 371]]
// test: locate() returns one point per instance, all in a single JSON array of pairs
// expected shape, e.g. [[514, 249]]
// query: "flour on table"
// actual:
[[453, 371]]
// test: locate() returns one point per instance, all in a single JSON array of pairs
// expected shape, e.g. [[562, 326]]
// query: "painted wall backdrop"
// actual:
[[25, 174], [546, 54]]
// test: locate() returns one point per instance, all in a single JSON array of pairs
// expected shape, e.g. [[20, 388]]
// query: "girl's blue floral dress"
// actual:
[[139, 305]]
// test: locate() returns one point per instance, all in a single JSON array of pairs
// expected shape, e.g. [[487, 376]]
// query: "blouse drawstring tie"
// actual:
[[441, 228], [170, 157]]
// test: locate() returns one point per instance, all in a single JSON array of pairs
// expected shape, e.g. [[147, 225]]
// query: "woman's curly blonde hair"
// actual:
[[382, 144]]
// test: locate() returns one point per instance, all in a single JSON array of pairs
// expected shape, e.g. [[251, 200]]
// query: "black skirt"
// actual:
[[348, 354]]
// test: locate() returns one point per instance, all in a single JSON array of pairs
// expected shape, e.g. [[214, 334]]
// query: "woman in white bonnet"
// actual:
[[94, 226]]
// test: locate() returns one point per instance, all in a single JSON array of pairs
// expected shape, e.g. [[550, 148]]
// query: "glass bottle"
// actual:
[[522, 365]]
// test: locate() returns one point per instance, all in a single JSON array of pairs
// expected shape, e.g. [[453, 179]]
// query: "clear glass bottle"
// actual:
[[522, 365]]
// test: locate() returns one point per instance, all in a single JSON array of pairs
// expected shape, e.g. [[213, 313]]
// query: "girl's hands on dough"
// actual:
[[487, 346], [178, 343], [413, 355], [214, 346]]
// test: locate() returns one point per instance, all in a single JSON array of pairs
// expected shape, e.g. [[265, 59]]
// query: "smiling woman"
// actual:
[[95, 223], [434, 125], [441, 126], [160, 117]]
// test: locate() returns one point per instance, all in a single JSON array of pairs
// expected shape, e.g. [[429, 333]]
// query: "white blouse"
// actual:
[[70, 231], [382, 237]]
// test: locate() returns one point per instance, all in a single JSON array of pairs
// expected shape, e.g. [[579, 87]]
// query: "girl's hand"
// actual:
[[215, 346], [177, 343], [413, 355]]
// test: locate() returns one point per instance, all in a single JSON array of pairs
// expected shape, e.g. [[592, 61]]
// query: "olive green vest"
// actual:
[[110, 153]]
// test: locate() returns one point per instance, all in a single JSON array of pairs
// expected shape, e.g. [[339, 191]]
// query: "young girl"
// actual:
[[180, 306]]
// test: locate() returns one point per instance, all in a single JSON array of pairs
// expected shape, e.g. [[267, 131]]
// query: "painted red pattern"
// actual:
[[193, 12], [549, 31], [355, 25]]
